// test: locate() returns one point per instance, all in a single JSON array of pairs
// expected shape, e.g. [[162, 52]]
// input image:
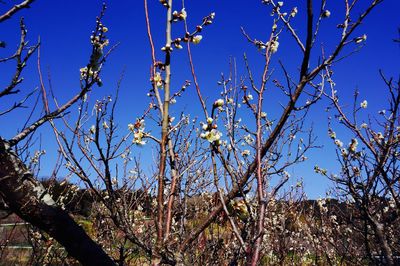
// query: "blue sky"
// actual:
[[64, 28]]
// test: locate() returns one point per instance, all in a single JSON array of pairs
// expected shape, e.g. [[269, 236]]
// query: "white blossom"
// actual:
[[212, 136], [246, 153], [157, 79], [92, 129], [293, 13], [138, 138], [219, 103], [364, 104], [196, 39], [326, 14], [338, 143]]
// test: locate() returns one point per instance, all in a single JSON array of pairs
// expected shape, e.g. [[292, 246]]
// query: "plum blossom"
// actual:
[[183, 14], [293, 13], [274, 46], [364, 104], [213, 136], [326, 14], [249, 139], [157, 79], [92, 129], [138, 138], [219, 103], [246, 153], [196, 39], [353, 145], [360, 39], [338, 143]]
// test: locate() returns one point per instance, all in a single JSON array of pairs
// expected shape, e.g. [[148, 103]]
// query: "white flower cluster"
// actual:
[[179, 16], [158, 80], [273, 45], [138, 132], [87, 73], [353, 145], [212, 136], [248, 139], [211, 133], [35, 159], [98, 41], [246, 153]]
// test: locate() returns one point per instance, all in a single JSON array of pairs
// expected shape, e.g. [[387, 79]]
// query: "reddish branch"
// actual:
[[164, 129]]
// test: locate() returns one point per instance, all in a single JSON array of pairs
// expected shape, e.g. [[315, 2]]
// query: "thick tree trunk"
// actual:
[[387, 251], [25, 196]]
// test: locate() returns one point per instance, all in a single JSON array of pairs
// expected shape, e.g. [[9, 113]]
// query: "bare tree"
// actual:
[[369, 163], [19, 189]]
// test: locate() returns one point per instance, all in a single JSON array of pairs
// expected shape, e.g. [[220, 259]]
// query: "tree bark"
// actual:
[[387, 251], [26, 197]]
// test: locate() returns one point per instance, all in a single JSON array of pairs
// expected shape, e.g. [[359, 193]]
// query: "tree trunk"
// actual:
[[26, 197], [387, 251]]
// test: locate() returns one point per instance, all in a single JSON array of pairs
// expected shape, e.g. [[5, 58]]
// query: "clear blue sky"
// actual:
[[64, 28]]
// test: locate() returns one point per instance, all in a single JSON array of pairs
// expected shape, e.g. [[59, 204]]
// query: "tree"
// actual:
[[19, 189], [232, 183], [370, 174]]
